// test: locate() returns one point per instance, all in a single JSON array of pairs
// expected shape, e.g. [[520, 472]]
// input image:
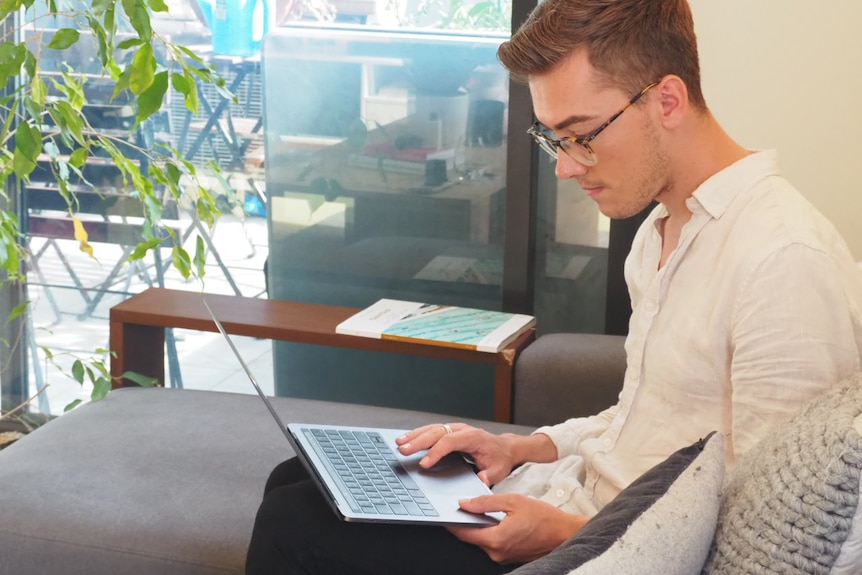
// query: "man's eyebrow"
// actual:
[[570, 121]]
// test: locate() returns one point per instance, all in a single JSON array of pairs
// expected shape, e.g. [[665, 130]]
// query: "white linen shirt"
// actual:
[[756, 311]]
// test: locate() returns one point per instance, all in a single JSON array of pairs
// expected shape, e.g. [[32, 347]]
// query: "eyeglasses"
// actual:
[[578, 148]]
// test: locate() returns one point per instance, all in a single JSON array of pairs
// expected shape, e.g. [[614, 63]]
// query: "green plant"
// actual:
[[45, 115], [44, 121]]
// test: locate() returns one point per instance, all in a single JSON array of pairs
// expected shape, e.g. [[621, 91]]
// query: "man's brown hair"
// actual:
[[631, 43]]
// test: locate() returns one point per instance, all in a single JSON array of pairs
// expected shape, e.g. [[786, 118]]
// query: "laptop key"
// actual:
[[412, 508], [382, 508]]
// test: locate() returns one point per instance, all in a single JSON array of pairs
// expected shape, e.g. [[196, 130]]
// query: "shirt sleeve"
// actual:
[[792, 337], [567, 436]]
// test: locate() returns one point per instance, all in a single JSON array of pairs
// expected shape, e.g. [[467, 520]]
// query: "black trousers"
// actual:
[[296, 532]]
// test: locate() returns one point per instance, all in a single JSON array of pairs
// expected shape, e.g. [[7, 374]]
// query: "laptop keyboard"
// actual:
[[368, 473]]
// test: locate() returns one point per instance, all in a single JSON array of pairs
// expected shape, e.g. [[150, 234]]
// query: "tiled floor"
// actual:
[[205, 358]]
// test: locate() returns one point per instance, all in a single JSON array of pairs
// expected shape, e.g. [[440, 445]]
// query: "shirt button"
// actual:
[[650, 306], [561, 493], [607, 442]]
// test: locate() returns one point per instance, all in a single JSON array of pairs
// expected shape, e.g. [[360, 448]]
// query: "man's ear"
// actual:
[[673, 95]]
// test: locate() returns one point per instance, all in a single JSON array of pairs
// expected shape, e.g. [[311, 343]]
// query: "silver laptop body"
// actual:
[[389, 489]]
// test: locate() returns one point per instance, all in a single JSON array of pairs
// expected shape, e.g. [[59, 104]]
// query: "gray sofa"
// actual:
[[164, 481]]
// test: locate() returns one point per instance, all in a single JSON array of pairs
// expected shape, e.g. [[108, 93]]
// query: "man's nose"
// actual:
[[568, 168]]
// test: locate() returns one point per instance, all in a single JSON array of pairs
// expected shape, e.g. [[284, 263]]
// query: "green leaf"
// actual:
[[180, 83], [151, 100], [101, 368], [17, 311], [191, 97], [11, 57], [79, 157], [64, 38], [28, 145], [104, 50], [78, 371], [138, 15], [122, 81], [157, 174], [99, 6], [101, 388], [38, 91], [33, 108], [69, 120], [130, 43], [74, 90], [141, 380], [72, 405], [143, 70], [30, 64], [110, 21], [189, 53], [200, 257], [7, 7], [158, 6], [173, 172], [143, 248], [181, 260]]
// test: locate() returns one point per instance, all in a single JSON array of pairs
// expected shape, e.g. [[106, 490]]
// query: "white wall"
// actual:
[[787, 74]]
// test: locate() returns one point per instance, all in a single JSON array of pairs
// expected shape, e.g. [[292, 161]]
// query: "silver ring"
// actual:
[[447, 428]]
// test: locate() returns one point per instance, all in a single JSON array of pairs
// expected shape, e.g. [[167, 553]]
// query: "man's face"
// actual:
[[633, 167]]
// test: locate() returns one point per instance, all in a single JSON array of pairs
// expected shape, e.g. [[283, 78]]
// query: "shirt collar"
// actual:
[[721, 189]]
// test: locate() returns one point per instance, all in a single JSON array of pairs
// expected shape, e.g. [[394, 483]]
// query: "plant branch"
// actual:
[[15, 410]]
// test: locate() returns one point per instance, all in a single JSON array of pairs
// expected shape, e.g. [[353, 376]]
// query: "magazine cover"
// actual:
[[452, 326]]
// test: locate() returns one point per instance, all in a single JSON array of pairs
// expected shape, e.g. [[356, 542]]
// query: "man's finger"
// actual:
[[443, 447], [474, 535], [418, 432], [487, 503], [422, 438]]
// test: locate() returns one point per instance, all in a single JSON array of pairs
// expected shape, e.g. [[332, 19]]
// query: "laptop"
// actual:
[[364, 478]]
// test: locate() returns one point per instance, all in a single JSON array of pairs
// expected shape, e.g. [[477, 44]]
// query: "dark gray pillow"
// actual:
[[790, 502], [662, 524]]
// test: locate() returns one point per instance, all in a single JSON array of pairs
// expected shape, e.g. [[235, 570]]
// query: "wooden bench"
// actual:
[[137, 333]]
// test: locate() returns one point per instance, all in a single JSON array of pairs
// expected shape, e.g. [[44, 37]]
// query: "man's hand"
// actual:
[[531, 528], [494, 455]]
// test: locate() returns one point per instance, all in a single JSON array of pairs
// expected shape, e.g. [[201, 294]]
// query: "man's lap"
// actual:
[[296, 529]]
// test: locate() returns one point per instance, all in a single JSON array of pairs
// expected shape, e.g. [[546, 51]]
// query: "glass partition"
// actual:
[[385, 176], [571, 256]]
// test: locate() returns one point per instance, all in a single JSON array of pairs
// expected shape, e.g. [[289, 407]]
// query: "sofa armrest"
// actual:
[[566, 375]]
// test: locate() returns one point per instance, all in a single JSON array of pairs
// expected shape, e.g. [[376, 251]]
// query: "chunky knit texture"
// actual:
[[789, 503]]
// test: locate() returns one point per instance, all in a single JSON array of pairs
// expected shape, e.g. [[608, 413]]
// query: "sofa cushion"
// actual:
[[661, 524], [791, 502], [160, 481]]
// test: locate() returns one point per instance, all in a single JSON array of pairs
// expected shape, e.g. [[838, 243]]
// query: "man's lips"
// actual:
[[592, 191]]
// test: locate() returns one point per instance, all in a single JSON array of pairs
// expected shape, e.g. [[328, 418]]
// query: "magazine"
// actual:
[[448, 326]]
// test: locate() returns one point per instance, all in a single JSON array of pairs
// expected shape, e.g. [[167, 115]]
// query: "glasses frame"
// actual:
[[583, 153]]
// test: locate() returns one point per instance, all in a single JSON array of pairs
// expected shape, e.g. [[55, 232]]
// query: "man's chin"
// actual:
[[619, 212], [614, 212]]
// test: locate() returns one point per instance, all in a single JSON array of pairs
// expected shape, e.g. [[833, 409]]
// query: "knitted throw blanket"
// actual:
[[789, 503]]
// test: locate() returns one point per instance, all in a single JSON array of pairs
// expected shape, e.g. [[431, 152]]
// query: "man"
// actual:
[[745, 301]]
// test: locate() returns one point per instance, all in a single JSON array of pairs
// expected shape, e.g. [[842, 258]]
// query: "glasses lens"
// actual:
[[544, 143], [580, 153]]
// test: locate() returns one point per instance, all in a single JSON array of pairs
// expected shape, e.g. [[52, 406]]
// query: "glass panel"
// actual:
[[385, 173], [70, 292], [571, 256]]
